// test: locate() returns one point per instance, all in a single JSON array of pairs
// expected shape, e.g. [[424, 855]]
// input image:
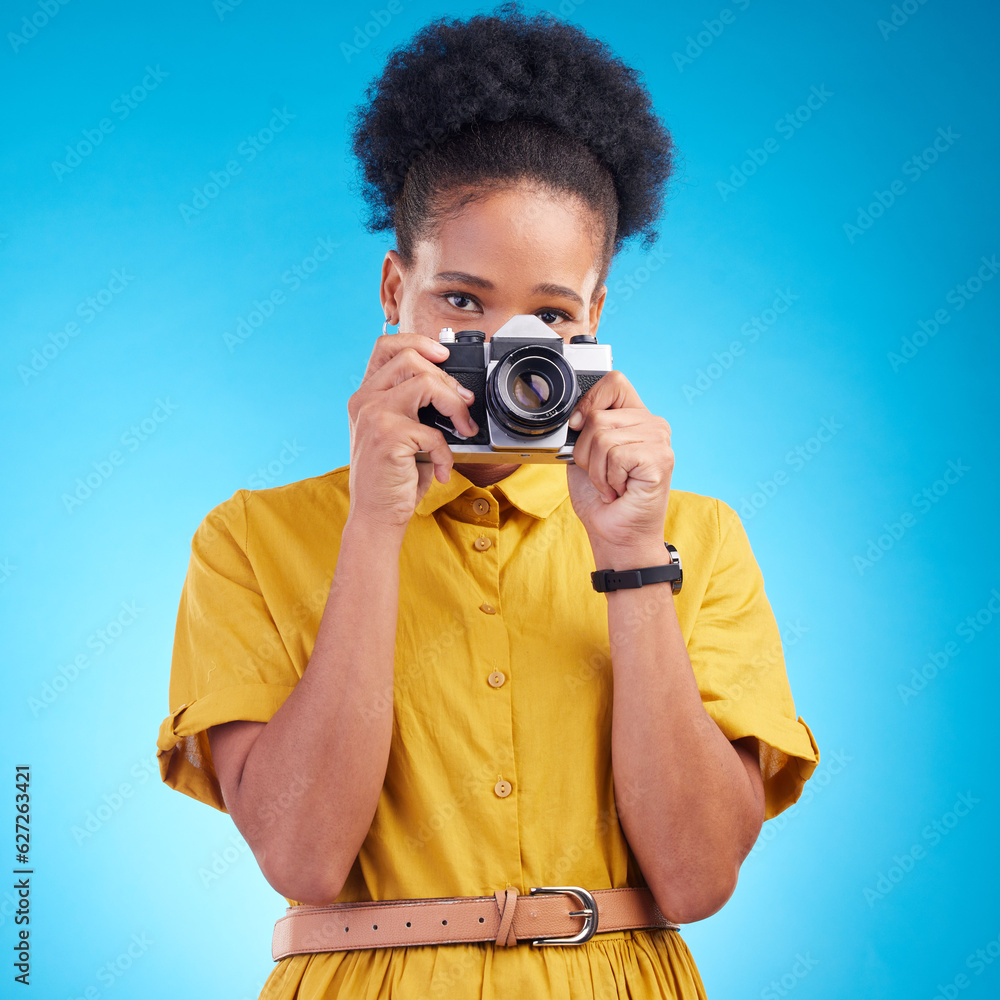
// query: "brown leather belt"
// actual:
[[549, 915]]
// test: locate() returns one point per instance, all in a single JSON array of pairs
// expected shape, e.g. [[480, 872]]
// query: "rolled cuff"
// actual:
[[788, 751], [182, 744]]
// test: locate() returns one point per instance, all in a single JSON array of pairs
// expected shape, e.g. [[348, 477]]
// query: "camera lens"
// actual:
[[531, 391]]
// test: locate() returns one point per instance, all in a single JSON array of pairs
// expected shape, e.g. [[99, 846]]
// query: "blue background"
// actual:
[[869, 575]]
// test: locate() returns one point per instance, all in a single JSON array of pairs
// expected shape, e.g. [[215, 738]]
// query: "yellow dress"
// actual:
[[502, 672]]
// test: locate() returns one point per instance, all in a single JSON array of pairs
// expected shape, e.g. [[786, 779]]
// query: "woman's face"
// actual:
[[518, 250]]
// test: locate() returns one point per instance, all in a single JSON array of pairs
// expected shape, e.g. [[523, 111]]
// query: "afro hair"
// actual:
[[501, 97]]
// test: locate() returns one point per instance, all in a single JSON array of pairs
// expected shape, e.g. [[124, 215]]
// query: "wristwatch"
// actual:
[[672, 573]]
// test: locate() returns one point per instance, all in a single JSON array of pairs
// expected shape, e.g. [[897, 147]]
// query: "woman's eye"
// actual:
[[460, 301], [551, 316]]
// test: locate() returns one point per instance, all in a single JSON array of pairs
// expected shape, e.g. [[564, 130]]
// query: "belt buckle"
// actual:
[[589, 911]]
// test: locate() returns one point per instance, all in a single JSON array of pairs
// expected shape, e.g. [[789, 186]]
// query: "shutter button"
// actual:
[[502, 788]]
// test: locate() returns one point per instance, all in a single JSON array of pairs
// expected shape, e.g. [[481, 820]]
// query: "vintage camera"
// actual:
[[526, 380]]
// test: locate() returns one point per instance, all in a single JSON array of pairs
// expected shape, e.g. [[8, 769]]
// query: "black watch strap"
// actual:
[[672, 573]]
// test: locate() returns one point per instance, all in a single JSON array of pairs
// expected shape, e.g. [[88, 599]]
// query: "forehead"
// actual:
[[517, 234]]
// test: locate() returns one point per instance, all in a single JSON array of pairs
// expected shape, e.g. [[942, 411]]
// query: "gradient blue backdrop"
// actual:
[[865, 480]]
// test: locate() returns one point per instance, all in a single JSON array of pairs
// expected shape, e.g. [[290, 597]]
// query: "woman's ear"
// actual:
[[596, 307], [391, 289]]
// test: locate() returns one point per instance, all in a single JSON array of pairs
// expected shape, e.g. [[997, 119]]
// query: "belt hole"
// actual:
[[407, 923], [482, 920], [444, 921], [347, 929], [374, 927]]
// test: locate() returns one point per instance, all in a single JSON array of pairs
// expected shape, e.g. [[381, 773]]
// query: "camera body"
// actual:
[[526, 380]]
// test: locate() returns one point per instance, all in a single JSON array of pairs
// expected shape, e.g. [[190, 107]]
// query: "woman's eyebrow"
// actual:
[[546, 288], [464, 278], [560, 290]]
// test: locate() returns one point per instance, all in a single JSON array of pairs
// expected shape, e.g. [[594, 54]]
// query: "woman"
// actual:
[[399, 678]]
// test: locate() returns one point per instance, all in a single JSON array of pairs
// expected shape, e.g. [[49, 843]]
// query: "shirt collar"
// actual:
[[536, 488]]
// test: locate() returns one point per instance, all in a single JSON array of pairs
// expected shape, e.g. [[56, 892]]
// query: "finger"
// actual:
[[612, 391], [409, 366], [430, 389], [388, 345], [621, 460], [615, 456], [618, 452], [599, 422], [438, 452], [403, 365], [419, 437]]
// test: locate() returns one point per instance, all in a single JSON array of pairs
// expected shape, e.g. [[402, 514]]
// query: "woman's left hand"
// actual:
[[619, 483]]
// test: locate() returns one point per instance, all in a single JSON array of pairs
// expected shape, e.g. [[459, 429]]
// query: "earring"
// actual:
[[385, 325]]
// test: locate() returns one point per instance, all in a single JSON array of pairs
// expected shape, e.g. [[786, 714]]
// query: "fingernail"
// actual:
[[576, 420], [467, 393]]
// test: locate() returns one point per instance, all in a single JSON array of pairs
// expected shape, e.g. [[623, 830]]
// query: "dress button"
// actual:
[[502, 788], [481, 506], [496, 679], [482, 543], [488, 608]]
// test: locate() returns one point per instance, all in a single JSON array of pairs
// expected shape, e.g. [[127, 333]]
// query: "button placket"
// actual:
[[483, 543]]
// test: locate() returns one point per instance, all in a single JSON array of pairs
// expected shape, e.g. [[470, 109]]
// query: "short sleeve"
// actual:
[[229, 661], [736, 653]]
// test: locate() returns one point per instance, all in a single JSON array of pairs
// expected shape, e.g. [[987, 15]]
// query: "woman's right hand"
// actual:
[[386, 482]]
